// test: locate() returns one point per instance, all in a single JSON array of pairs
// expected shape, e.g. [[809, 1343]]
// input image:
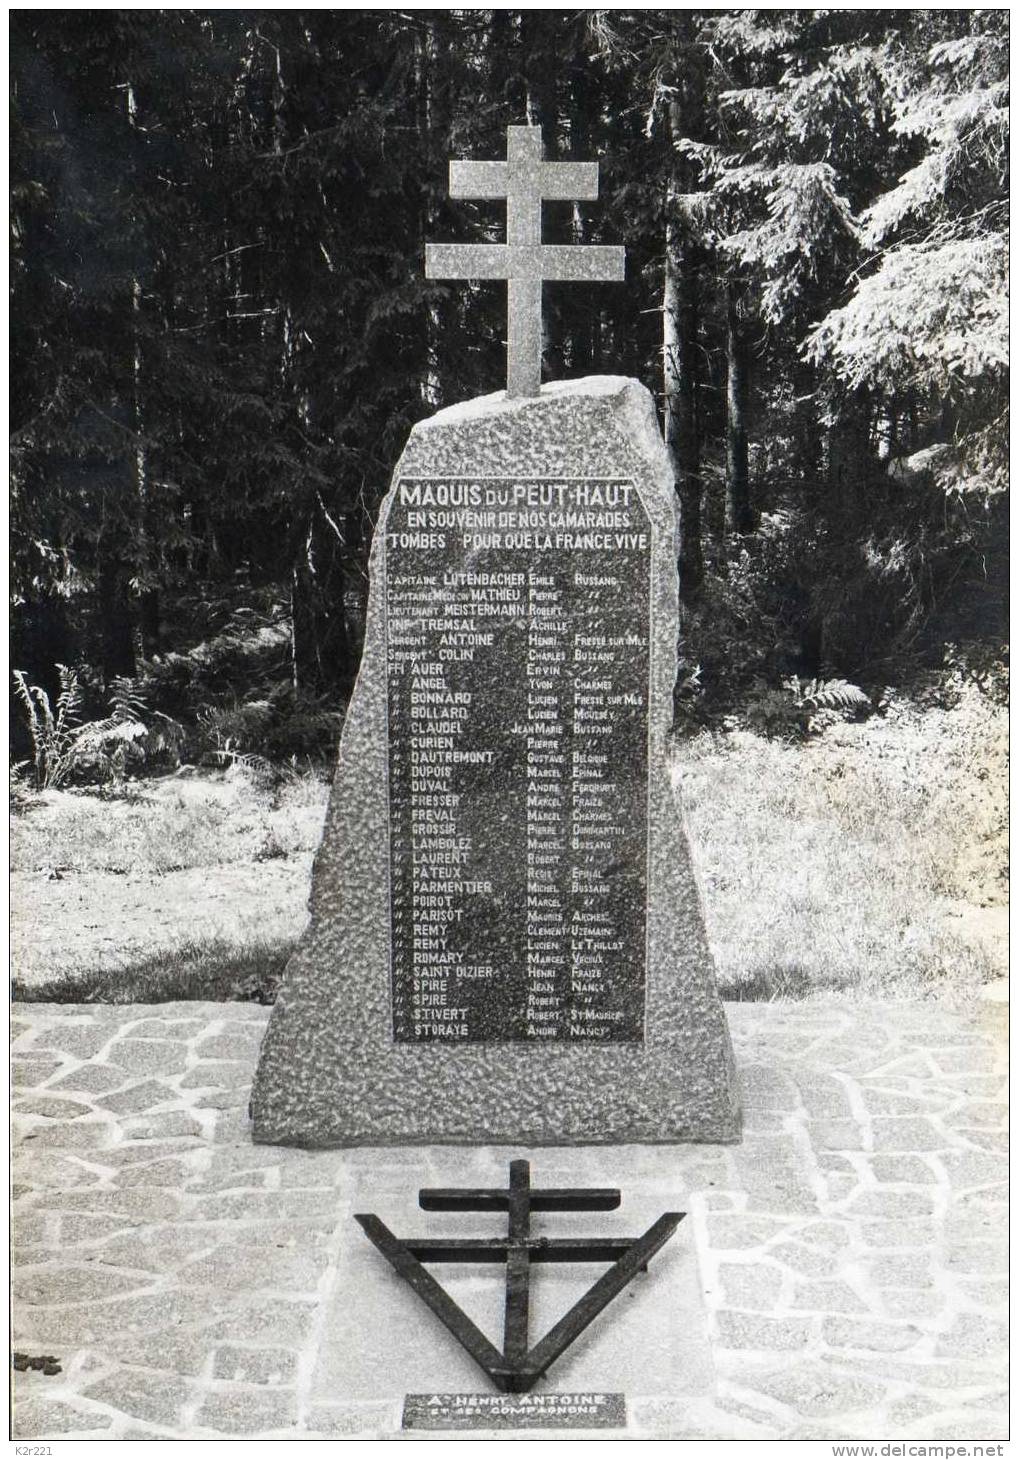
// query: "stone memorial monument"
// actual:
[[506, 940]]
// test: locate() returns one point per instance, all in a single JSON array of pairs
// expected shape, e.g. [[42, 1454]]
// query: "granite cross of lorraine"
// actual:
[[525, 181]]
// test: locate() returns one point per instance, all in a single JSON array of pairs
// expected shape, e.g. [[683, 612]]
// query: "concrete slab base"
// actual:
[[380, 1339], [841, 1274]]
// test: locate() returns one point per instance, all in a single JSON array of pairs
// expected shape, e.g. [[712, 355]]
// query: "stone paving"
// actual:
[[840, 1275]]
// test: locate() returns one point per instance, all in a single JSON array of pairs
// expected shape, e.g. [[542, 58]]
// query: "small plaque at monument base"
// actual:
[[514, 1412]]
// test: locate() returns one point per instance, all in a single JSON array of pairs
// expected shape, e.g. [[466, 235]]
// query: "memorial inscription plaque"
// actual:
[[514, 1412], [518, 678]]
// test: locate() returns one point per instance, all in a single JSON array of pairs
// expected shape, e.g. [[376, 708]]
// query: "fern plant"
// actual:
[[129, 735], [53, 729], [229, 756], [805, 706], [96, 750], [819, 703], [811, 695]]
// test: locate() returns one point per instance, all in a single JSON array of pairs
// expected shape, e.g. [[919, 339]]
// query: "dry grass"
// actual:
[[168, 825], [838, 864], [211, 969]]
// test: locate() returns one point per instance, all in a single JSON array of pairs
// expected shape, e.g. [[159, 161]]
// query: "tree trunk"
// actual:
[[850, 454], [585, 305], [116, 613], [426, 60], [739, 517], [148, 522], [320, 645], [679, 367], [812, 643], [150, 623], [539, 36], [148, 619]]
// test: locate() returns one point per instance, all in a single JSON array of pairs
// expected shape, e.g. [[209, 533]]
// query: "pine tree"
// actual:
[[927, 323]]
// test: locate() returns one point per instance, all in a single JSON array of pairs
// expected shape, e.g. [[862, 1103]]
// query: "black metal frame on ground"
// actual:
[[518, 1367]]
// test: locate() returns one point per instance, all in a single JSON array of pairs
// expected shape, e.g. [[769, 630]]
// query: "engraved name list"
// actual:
[[518, 668]]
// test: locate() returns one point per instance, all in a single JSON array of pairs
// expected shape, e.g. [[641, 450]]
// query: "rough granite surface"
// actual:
[[329, 1072]]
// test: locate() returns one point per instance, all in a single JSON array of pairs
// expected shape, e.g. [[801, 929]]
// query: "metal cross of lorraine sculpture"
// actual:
[[518, 1367], [524, 180]]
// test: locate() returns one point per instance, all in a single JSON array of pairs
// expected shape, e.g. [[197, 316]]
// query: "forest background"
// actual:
[[222, 334]]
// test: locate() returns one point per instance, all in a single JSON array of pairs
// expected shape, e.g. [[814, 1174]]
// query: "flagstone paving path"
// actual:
[[847, 1261]]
